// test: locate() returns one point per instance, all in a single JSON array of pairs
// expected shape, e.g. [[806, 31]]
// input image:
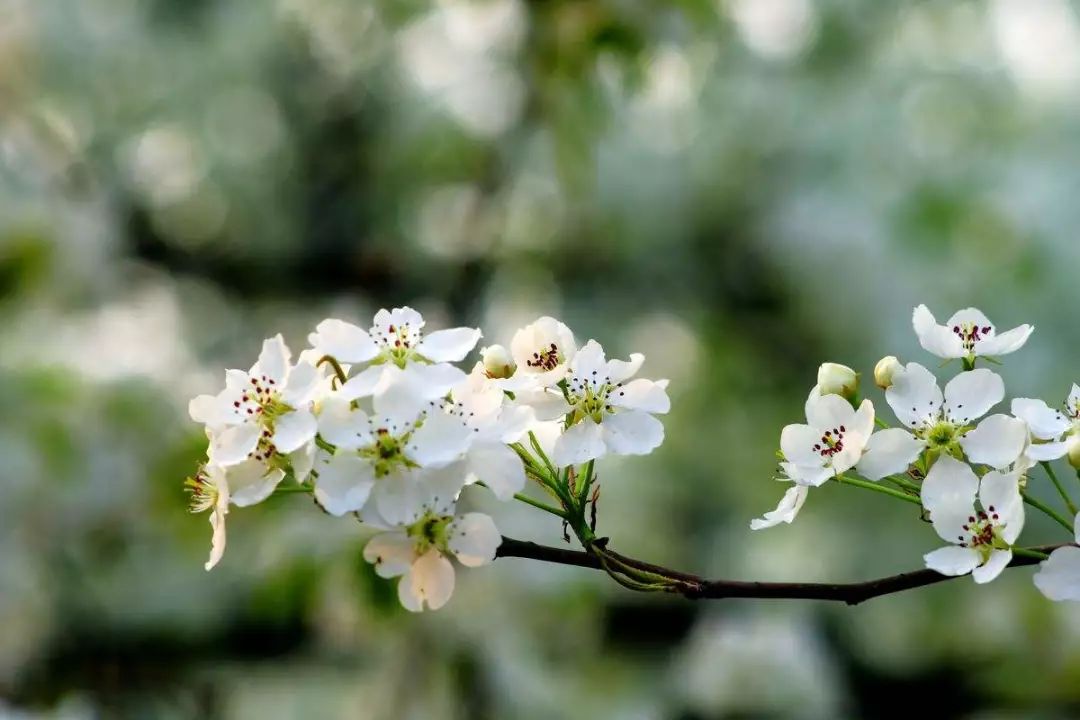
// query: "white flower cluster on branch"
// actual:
[[383, 423], [969, 471]]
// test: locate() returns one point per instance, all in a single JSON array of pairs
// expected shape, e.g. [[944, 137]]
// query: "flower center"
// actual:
[[970, 333], [547, 358], [398, 343], [430, 531], [831, 443], [204, 493], [982, 531], [588, 395], [940, 435], [261, 402]]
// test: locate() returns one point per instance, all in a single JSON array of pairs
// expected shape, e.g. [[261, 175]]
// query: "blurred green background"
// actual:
[[740, 189]]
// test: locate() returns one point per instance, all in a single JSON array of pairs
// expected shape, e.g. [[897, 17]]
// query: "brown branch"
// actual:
[[698, 588]]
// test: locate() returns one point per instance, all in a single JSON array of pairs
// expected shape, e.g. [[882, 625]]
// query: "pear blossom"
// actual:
[[543, 351], [941, 422], [967, 334], [1054, 433], [497, 361], [493, 424], [981, 537], [263, 414], [210, 491], [382, 454], [418, 549], [605, 411], [885, 370], [396, 336], [786, 511], [1058, 577], [831, 441], [837, 379]]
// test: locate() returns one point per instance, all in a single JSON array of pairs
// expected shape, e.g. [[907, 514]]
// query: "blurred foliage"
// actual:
[[740, 189]]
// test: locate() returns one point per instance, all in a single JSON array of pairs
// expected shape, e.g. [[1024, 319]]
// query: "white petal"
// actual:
[[953, 560], [1005, 343], [540, 336], [785, 511], [514, 422], [889, 452], [1045, 422], [474, 539], [1001, 491], [434, 381], [343, 426], [363, 384], [217, 540], [208, 410], [439, 441], [863, 424], [997, 441], [1076, 528], [300, 387], [430, 580], [546, 404], [293, 430], [233, 445], [969, 395], [948, 493], [274, 359], [400, 497], [797, 444], [579, 443], [1059, 576], [829, 412], [934, 338], [620, 370], [498, 467], [344, 341], [392, 553], [641, 394], [808, 475], [252, 482], [449, 345], [914, 395], [1045, 452], [632, 432], [302, 461], [998, 561], [344, 483]]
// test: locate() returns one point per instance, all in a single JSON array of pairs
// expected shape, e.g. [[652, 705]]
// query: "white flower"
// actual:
[[1059, 575], [967, 334], [940, 422], [1053, 432], [543, 351], [263, 414], [418, 550], [606, 413], [981, 538], [381, 454], [884, 371], [785, 511], [210, 491], [830, 443], [837, 379], [492, 423], [396, 336], [497, 362]]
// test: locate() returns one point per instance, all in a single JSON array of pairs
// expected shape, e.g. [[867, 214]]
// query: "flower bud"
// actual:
[[497, 361], [885, 370], [1074, 453], [836, 379]]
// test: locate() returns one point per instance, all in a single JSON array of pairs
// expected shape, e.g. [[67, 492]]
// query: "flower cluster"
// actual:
[[382, 423], [966, 468]]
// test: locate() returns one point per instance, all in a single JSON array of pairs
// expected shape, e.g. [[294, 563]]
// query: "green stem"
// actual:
[[1060, 488], [535, 503], [541, 454], [867, 485], [332, 362], [1025, 552], [904, 483], [325, 445], [969, 362], [881, 423], [586, 482], [1040, 505]]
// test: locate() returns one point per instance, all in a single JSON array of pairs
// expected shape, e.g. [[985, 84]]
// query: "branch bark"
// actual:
[[695, 587]]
